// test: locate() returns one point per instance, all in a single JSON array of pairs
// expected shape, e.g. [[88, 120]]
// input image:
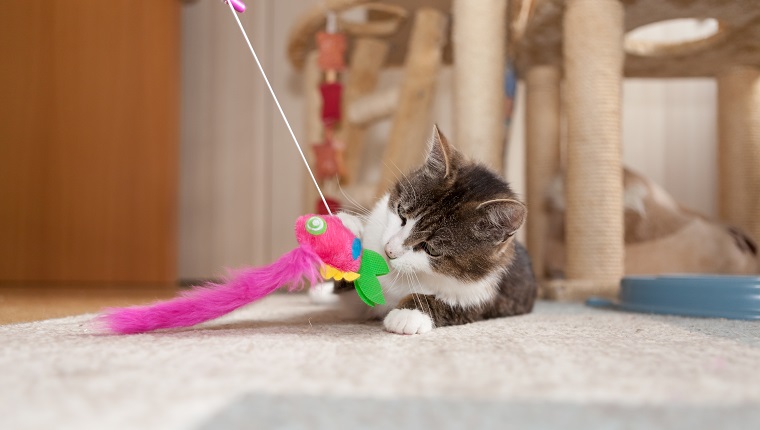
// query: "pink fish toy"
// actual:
[[327, 249]]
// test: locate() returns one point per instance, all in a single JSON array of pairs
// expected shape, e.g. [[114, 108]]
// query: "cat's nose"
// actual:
[[389, 252]]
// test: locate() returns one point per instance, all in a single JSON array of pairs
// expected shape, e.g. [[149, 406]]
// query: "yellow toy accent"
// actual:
[[350, 276], [329, 272]]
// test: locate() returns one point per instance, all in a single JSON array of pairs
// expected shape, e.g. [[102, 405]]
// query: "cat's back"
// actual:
[[518, 288]]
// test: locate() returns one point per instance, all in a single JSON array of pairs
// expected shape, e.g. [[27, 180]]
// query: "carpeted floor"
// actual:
[[285, 363]]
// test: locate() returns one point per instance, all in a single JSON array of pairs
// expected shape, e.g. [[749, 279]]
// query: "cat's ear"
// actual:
[[441, 156], [502, 218]]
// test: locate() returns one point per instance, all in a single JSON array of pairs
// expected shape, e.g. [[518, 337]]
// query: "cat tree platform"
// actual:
[[581, 45]]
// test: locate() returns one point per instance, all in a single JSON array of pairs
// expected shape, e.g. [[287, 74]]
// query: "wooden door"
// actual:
[[88, 140]]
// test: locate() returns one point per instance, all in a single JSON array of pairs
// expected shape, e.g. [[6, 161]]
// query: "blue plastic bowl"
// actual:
[[714, 296]]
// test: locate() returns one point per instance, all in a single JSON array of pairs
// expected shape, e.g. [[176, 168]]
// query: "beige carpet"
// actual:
[[565, 363]]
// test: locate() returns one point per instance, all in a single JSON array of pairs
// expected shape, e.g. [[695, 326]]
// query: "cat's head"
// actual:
[[451, 216]]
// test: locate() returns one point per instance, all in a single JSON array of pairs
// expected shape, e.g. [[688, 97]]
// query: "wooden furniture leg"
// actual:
[[366, 62], [412, 120], [739, 148]]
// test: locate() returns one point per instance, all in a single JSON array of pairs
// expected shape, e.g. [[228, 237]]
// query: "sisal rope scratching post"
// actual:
[[312, 77], [739, 148], [593, 58], [479, 38], [412, 120], [542, 154], [367, 60]]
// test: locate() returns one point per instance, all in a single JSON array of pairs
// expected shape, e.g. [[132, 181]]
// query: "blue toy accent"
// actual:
[[356, 248]]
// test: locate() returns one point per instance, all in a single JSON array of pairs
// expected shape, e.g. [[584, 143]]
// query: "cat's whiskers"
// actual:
[[359, 215], [416, 295], [428, 311], [364, 218], [352, 200], [412, 291], [392, 286], [353, 210], [368, 219]]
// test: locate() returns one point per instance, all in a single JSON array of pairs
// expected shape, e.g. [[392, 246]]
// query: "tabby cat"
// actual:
[[447, 231]]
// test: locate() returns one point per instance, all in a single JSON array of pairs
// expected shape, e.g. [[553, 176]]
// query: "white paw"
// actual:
[[322, 293], [351, 222], [407, 321]]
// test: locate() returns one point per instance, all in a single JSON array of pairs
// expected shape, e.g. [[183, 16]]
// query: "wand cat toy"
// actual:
[[325, 247]]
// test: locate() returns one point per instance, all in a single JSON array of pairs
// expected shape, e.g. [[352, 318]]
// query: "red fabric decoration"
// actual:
[[334, 206], [331, 93], [331, 49], [329, 132], [326, 167]]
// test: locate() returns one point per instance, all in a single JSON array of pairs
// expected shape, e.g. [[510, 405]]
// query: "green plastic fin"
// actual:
[[367, 286], [362, 296], [373, 263], [371, 289]]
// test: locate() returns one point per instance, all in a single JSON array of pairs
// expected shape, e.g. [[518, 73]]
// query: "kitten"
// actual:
[[447, 232]]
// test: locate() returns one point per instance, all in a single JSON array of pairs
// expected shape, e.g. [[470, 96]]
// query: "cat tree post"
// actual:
[[367, 60], [593, 64], [542, 155], [739, 147], [412, 120], [479, 37]]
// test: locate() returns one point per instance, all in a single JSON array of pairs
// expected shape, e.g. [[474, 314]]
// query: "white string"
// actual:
[[277, 102]]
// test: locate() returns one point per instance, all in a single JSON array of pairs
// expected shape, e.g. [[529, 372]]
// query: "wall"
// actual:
[[224, 154]]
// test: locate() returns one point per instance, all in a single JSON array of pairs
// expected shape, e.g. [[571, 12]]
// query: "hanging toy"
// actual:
[[329, 160], [331, 47], [326, 249]]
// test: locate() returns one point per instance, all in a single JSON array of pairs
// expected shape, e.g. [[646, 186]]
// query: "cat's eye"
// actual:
[[400, 213], [429, 250]]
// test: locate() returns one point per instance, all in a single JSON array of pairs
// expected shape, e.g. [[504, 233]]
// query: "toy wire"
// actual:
[[277, 102]]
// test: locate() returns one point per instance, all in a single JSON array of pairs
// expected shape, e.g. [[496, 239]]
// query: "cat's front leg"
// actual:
[[420, 313], [413, 315]]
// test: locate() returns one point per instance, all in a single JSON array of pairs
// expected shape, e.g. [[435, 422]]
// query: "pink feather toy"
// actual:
[[327, 249]]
